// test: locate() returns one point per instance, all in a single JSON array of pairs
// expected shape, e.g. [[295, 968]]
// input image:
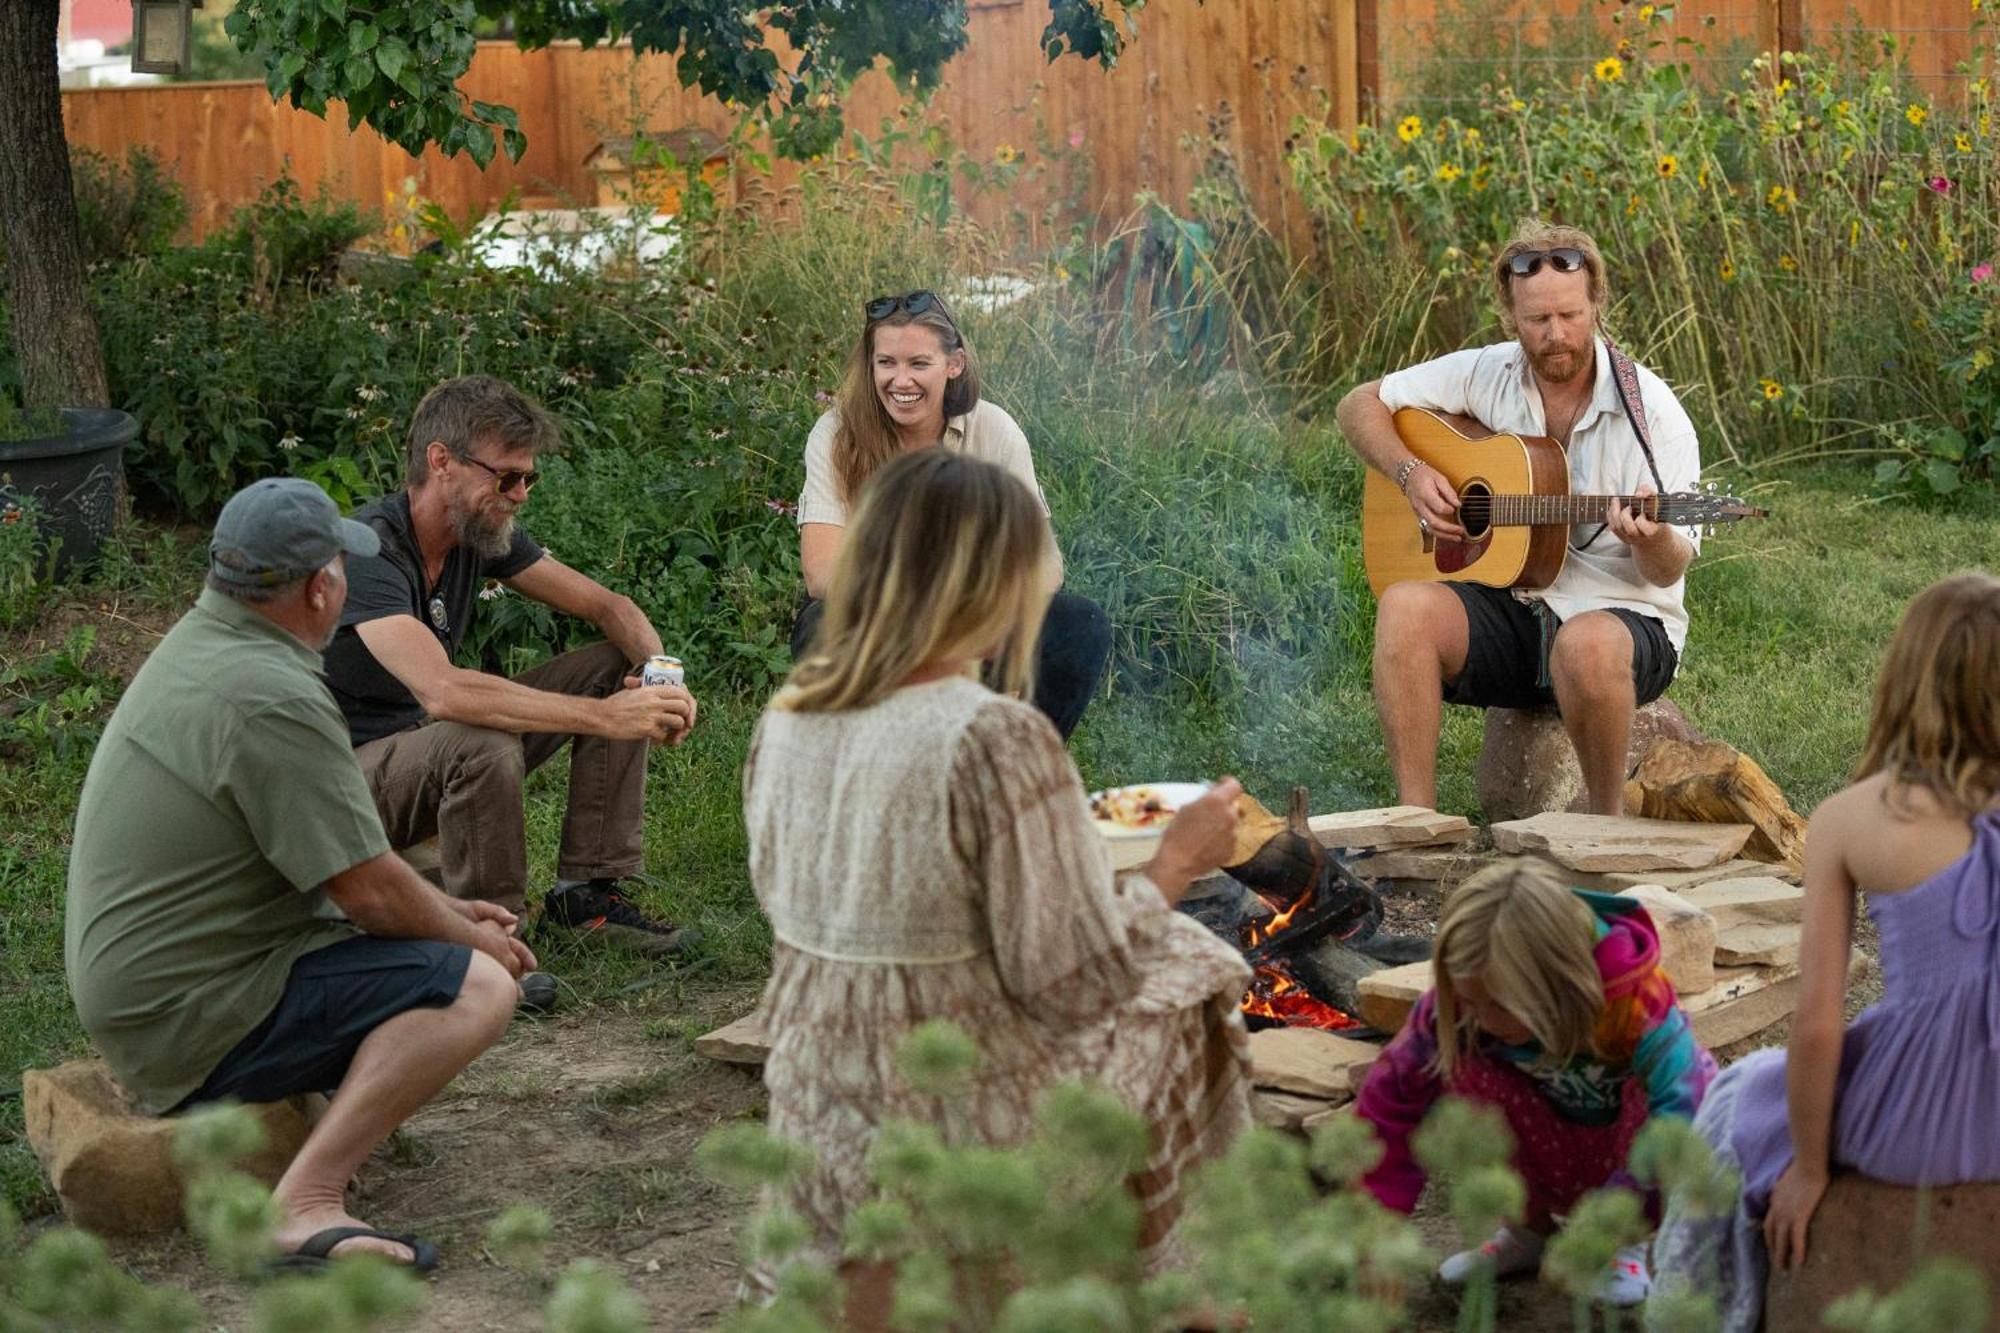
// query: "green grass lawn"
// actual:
[[1226, 548]]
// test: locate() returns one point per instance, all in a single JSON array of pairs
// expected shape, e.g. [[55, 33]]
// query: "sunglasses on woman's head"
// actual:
[[1565, 259], [915, 303]]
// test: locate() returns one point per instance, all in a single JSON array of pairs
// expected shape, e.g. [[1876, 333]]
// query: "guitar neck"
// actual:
[[1514, 511]]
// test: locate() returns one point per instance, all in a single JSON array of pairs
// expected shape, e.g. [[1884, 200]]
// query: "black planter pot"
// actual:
[[74, 480]]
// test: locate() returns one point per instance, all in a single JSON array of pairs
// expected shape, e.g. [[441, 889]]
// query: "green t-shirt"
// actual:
[[221, 797]]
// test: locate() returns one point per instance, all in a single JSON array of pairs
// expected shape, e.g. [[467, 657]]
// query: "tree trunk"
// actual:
[[55, 334]]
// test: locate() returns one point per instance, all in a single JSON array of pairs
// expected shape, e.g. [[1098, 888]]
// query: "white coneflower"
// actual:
[[493, 588], [289, 441], [368, 393]]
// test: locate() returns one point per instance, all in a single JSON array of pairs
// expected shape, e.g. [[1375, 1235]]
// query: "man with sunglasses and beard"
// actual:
[[445, 749], [1607, 635]]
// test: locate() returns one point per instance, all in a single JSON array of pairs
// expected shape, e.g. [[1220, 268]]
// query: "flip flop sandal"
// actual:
[[317, 1253]]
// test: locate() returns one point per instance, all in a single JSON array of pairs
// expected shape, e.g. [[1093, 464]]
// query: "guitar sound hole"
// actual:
[[1475, 509]]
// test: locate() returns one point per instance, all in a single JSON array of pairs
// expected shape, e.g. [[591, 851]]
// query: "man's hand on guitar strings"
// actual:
[[1633, 526], [1435, 504]]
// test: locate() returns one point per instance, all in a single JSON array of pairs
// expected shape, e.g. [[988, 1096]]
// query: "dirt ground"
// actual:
[[594, 1117]]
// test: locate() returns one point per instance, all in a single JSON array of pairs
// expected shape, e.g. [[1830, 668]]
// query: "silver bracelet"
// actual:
[[1403, 474]]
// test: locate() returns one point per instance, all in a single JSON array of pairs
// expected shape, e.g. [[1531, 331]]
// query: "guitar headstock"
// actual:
[[1704, 508]]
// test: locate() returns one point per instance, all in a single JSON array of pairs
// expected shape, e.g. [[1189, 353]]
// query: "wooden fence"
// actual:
[[1237, 68]]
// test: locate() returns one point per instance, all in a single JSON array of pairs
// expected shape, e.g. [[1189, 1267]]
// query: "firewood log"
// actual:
[[1711, 782]]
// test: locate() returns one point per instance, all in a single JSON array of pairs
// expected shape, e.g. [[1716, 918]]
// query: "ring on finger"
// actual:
[[1423, 524]]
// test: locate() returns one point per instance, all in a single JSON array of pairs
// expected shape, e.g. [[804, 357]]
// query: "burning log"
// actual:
[[1278, 858]]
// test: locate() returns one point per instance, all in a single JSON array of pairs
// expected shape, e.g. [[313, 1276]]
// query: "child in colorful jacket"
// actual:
[[1550, 1004]]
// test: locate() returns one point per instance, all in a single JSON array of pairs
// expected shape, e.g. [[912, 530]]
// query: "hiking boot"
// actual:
[[599, 910]]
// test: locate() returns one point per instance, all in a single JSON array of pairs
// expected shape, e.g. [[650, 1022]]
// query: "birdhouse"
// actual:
[[654, 167], [163, 35]]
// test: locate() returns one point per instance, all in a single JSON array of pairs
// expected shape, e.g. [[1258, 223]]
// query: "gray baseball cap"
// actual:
[[280, 529]]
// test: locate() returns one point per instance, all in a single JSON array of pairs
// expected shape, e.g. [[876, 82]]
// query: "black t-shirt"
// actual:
[[373, 701]]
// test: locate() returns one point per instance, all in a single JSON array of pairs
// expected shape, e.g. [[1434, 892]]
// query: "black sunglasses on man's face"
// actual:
[[915, 303], [506, 479], [1564, 259]]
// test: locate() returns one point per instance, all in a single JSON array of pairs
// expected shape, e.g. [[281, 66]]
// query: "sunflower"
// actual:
[[1963, 143], [1916, 115], [1410, 129], [1609, 70], [1787, 263], [1646, 13], [1727, 269], [1006, 155], [1449, 172], [1668, 166], [1772, 389]]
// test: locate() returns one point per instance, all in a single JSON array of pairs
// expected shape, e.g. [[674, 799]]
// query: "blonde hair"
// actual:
[[1535, 234], [1519, 930], [865, 437], [1936, 722], [941, 561]]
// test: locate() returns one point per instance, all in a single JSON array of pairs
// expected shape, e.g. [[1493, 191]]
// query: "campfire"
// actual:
[[1302, 971], [1276, 996]]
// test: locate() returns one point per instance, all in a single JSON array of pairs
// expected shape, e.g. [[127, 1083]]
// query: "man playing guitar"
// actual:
[[1606, 636]]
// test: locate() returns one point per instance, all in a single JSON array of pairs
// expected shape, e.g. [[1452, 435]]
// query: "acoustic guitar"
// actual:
[[1513, 502]]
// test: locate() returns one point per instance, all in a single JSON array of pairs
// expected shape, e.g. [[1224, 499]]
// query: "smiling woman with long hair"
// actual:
[[912, 383], [924, 850]]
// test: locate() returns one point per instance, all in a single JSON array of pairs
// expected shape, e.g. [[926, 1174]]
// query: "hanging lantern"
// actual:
[[163, 36]]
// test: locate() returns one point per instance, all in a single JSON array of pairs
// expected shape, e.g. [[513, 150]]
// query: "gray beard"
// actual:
[[483, 535]]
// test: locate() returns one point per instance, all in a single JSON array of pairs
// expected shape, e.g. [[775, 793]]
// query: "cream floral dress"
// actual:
[[932, 857]]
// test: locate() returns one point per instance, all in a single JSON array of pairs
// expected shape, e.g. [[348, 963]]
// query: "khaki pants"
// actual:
[[463, 784]]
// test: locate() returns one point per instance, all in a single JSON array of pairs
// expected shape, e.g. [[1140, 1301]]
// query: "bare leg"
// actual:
[[1591, 664], [1420, 643], [400, 1066]]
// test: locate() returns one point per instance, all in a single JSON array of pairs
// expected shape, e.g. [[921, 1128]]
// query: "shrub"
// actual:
[[127, 210]]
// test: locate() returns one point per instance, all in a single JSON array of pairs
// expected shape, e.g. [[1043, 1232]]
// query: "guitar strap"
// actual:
[[1627, 375]]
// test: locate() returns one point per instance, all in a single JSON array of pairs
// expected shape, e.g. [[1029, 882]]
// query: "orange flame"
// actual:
[[1276, 994]]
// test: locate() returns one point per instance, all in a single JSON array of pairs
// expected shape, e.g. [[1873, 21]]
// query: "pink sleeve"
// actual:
[[1400, 1088]]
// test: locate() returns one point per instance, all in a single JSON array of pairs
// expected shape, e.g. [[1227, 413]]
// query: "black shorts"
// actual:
[[1504, 655], [333, 999]]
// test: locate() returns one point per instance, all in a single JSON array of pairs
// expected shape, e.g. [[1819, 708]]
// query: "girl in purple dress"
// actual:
[[1908, 1094]]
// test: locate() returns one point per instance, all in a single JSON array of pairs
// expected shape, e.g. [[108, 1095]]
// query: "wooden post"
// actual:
[[1780, 28], [1365, 73]]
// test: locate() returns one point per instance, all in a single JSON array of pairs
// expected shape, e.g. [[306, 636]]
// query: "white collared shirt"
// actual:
[[1495, 385]]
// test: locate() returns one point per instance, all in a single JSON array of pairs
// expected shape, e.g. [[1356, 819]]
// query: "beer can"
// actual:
[[661, 670]]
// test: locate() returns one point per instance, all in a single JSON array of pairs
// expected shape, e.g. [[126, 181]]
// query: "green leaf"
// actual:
[[1941, 476], [1948, 443], [479, 142], [1888, 472], [334, 9], [391, 57], [361, 37], [515, 143]]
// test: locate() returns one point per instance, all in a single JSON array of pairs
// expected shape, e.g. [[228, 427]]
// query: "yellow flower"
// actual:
[[1842, 107], [1784, 86], [1853, 233], [1410, 129], [1701, 178], [1787, 263], [1781, 198], [1771, 388], [1915, 114], [1479, 177], [1645, 13], [1985, 125], [1471, 134], [1963, 143], [1668, 166], [1978, 87], [1006, 155], [1609, 70], [1727, 270], [1516, 105], [1449, 172]]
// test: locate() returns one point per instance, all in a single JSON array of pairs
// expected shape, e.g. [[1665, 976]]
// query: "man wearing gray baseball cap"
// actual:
[[236, 924]]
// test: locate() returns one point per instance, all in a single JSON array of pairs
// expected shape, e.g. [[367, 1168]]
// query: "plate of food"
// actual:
[[1141, 811]]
